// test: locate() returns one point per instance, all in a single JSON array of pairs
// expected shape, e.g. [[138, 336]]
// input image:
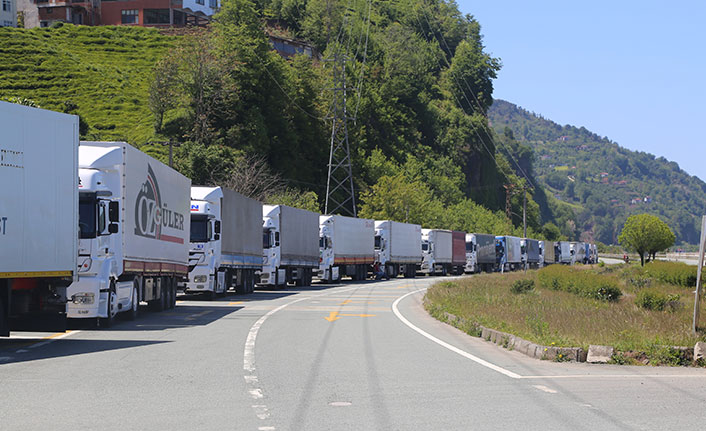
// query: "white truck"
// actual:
[[346, 247], [508, 253], [38, 217], [134, 232], [437, 252], [226, 241], [471, 254], [290, 246], [530, 253], [398, 247], [562, 252]]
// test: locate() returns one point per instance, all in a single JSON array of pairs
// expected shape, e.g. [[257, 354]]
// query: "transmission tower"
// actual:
[[340, 195]]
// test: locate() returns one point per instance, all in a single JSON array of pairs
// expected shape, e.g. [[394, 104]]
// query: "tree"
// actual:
[[645, 233]]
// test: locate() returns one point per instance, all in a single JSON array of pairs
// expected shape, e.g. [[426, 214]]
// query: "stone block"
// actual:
[[485, 333], [599, 354], [700, 351]]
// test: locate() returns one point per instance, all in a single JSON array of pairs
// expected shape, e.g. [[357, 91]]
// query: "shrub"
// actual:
[[651, 299], [677, 273], [580, 282], [522, 286]]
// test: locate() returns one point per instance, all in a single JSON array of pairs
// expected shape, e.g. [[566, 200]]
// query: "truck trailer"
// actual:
[[562, 252], [508, 253], [485, 252], [458, 252], [398, 247], [290, 246], [437, 251], [346, 247], [134, 232], [546, 253], [226, 241], [38, 217]]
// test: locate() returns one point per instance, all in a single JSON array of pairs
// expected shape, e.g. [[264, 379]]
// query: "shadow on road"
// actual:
[[64, 347]]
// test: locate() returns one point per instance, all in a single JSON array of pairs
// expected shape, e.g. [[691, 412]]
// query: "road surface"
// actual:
[[358, 356]]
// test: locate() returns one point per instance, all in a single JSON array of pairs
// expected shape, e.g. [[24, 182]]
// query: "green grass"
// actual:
[[105, 71], [547, 316]]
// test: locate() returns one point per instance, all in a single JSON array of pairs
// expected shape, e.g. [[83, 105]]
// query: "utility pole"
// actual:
[[524, 212], [340, 194], [171, 144], [697, 293]]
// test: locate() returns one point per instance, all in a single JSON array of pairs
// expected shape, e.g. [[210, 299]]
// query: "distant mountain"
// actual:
[[603, 182]]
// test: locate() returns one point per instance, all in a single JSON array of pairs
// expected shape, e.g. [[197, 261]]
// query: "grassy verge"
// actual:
[[569, 318]]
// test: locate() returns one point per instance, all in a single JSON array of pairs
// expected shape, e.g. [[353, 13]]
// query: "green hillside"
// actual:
[[103, 71], [604, 181]]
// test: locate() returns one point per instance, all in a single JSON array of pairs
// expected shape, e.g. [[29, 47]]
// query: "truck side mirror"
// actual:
[[276, 239], [114, 212], [113, 227], [217, 226]]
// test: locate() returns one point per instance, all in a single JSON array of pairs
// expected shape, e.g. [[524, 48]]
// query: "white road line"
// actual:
[[250, 377], [544, 389], [616, 376], [447, 345]]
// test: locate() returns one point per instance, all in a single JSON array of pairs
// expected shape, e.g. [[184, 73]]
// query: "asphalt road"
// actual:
[[360, 356]]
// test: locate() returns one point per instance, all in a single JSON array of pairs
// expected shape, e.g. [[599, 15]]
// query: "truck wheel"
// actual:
[[135, 308], [110, 320], [251, 281]]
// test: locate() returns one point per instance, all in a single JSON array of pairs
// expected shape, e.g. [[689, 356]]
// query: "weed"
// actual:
[[651, 300], [522, 286]]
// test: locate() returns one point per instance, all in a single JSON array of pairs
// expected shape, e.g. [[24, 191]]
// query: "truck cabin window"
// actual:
[[469, 246], [425, 246], [266, 239], [87, 217], [200, 229], [378, 242], [322, 242]]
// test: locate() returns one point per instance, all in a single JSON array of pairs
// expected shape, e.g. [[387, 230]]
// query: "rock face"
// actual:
[[700, 351], [599, 354]]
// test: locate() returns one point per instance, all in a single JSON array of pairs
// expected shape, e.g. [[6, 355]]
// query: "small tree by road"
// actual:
[[646, 234]]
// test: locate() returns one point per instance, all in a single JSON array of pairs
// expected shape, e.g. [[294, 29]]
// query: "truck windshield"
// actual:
[[469, 246], [266, 239], [378, 242], [87, 217], [425, 245], [200, 229]]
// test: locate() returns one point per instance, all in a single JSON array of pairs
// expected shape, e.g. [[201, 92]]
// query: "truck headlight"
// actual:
[[85, 265], [200, 279], [83, 298]]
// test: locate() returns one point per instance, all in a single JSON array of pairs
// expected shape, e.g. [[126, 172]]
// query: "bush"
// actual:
[[579, 282], [651, 299], [677, 273], [522, 286]]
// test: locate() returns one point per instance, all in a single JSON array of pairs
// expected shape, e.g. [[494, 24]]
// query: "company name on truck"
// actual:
[[152, 214]]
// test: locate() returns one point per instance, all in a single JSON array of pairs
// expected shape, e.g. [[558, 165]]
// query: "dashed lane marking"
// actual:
[[544, 389]]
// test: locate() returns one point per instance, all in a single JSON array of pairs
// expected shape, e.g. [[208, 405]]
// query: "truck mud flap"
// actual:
[[39, 323]]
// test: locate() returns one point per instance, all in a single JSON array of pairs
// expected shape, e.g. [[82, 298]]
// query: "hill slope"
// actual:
[[608, 182]]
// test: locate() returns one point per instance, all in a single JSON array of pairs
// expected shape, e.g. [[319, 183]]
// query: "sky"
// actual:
[[633, 71]]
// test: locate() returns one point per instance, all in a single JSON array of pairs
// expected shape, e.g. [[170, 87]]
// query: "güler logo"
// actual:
[[151, 214]]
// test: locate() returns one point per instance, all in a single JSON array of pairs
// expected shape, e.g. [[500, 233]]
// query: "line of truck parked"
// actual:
[[91, 230]]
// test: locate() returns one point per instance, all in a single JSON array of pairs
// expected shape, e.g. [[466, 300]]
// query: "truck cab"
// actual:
[[327, 269], [97, 292], [205, 242], [500, 253], [541, 254], [471, 254], [523, 251]]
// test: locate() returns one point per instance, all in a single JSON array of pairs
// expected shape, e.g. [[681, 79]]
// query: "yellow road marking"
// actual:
[[335, 315], [235, 303], [203, 313]]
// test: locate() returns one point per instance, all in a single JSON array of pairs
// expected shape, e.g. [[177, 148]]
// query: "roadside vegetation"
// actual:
[[625, 306]]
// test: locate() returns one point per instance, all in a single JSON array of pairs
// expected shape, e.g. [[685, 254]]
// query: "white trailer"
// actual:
[[398, 247], [38, 217], [290, 246], [437, 252], [134, 232], [346, 247], [226, 241]]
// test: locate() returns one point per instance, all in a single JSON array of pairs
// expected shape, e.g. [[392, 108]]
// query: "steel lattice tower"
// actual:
[[340, 195]]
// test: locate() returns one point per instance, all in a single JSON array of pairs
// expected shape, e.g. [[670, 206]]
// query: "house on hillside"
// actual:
[[8, 14], [145, 13], [288, 48]]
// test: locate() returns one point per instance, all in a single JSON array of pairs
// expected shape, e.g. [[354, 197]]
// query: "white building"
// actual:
[[8, 13]]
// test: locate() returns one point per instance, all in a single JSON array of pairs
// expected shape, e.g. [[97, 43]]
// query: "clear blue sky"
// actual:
[[634, 71]]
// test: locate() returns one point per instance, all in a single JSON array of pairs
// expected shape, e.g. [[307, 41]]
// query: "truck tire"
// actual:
[[135, 305], [109, 321], [251, 281]]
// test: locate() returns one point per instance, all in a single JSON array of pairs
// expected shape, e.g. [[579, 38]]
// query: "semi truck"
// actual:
[[485, 252], [437, 251], [290, 246], [226, 241], [508, 253], [398, 247], [562, 251], [38, 217], [346, 247], [471, 266], [546, 253], [134, 232], [530, 252]]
